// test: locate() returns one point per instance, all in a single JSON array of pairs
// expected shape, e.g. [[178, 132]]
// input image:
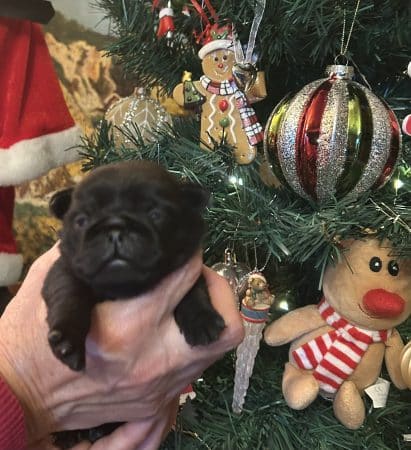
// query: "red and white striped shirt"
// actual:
[[335, 355]]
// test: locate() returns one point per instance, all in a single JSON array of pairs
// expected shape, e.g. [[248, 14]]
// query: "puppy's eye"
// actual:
[[80, 221], [156, 215]]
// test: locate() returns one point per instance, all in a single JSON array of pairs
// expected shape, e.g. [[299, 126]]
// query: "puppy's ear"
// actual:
[[60, 202], [195, 195]]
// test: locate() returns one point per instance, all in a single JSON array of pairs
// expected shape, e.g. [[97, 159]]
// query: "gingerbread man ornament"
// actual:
[[226, 112]]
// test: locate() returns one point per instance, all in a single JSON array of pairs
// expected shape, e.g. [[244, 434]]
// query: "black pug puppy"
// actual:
[[125, 227]]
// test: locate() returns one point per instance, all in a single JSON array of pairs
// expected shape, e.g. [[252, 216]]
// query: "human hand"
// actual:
[[137, 360]]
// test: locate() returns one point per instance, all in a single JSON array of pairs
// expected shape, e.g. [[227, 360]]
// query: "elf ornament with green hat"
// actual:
[[226, 113]]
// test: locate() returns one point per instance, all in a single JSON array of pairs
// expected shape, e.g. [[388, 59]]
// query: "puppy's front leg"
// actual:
[[69, 303], [200, 323]]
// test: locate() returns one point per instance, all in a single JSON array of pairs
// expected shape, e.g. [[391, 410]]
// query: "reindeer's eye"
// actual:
[[225, 57], [215, 58], [80, 221], [393, 268], [375, 264]]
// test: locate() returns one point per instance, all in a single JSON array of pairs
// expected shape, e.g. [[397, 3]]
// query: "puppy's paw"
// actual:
[[67, 349], [204, 328]]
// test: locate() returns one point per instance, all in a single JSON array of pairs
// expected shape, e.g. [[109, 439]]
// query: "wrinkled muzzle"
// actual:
[[116, 250]]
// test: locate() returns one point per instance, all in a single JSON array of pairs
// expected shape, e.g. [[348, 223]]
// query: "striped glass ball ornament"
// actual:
[[333, 138]]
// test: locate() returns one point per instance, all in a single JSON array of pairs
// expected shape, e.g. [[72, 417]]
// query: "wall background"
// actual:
[[90, 81], [85, 12]]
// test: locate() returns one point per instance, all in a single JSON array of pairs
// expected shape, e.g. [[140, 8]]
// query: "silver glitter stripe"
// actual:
[[380, 144], [332, 143], [288, 133], [389, 150]]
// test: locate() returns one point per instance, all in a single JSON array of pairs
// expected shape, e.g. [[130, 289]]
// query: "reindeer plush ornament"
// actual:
[[338, 346]]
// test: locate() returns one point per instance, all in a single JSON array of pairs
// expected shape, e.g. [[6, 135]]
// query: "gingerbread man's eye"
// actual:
[[375, 264], [393, 268]]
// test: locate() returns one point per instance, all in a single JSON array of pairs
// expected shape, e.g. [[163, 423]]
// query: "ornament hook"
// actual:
[[344, 45]]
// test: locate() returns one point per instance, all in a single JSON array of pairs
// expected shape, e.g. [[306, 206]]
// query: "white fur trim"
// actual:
[[166, 12], [31, 158], [218, 44], [11, 265]]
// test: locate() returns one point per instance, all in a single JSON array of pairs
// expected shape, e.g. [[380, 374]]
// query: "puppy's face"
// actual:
[[127, 225]]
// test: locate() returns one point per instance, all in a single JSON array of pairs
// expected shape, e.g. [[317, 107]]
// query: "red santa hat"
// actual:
[[11, 262], [215, 38], [37, 132]]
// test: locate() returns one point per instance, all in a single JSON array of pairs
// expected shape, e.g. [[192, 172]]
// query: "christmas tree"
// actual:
[[294, 232]]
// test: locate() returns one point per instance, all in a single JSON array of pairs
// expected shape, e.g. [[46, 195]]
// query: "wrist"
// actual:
[[12, 424], [20, 380]]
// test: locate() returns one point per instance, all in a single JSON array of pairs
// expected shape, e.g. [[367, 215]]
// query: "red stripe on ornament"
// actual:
[[308, 133], [395, 144]]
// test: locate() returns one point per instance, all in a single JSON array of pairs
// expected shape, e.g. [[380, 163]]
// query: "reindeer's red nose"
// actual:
[[220, 65], [382, 303]]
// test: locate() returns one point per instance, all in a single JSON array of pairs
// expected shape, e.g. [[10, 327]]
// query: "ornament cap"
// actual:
[[340, 71], [141, 91]]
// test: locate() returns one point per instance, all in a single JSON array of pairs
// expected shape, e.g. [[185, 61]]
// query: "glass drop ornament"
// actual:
[[233, 271], [138, 110], [333, 138]]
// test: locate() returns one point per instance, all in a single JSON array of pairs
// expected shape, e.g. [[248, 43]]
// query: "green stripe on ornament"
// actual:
[[360, 130]]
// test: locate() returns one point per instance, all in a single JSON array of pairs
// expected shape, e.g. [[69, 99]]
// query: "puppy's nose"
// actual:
[[115, 236]]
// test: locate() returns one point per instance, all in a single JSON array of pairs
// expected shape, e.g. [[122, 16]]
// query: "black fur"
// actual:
[[125, 227]]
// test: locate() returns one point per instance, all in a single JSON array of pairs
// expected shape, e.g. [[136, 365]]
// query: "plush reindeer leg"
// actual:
[[348, 406], [300, 388]]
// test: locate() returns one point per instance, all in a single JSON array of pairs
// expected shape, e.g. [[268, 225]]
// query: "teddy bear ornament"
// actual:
[[338, 346], [255, 308]]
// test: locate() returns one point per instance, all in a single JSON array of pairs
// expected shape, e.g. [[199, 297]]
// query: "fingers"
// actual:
[[34, 280], [194, 360], [140, 435], [223, 300], [83, 446], [156, 303], [118, 326], [177, 284]]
